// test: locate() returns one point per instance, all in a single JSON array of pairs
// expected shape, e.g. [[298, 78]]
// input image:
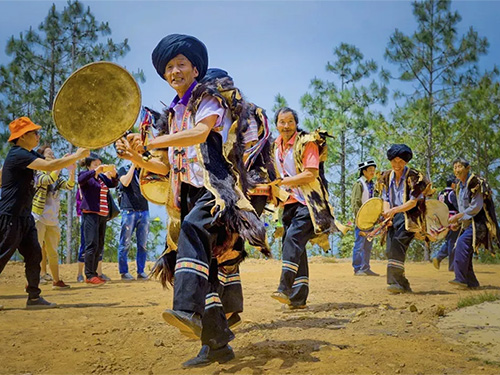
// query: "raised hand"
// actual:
[[389, 214], [135, 142], [82, 152], [124, 150]]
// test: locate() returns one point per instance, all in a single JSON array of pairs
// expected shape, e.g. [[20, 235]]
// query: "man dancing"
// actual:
[[403, 192], [478, 220], [205, 167], [307, 212]]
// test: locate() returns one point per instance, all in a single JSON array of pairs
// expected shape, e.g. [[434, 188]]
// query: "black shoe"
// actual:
[[39, 303], [371, 273], [206, 356], [188, 323], [234, 321]]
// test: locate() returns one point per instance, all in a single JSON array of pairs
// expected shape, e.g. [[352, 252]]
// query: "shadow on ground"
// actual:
[[256, 356]]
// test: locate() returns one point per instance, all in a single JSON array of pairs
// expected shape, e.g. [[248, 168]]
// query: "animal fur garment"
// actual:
[[415, 185], [484, 225], [225, 176]]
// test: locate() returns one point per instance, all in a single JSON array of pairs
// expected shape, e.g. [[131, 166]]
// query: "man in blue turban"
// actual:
[[177, 44], [403, 194], [205, 205]]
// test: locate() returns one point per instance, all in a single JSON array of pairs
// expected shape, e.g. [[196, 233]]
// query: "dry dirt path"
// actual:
[[353, 326]]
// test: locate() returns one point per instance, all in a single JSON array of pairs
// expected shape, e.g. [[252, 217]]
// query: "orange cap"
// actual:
[[21, 126]]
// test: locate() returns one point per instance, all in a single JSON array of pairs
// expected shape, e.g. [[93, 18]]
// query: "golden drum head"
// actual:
[[436, 217], [96, 105], [369, 213], [154, 187]]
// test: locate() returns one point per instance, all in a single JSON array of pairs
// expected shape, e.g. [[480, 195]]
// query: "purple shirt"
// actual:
[[91, 189]]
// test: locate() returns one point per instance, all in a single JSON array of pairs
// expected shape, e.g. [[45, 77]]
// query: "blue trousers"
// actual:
[[361, 252], [464, 272], [448, 248], [138, 221]]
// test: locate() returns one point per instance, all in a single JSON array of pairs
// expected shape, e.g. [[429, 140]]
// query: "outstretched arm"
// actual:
[[57, 164]]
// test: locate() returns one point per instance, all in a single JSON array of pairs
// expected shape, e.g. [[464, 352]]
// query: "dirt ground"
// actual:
[[353, 326]]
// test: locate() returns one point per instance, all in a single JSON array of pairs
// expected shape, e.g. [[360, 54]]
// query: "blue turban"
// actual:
[[400, 151], [178, 44]]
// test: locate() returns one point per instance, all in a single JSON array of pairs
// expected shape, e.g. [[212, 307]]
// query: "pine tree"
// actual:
[[41, 61], [437, 61], [343, 108]]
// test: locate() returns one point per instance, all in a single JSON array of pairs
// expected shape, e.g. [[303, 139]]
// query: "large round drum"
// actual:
[[369, 213], [96, 105], [436, 217], [154, 187]]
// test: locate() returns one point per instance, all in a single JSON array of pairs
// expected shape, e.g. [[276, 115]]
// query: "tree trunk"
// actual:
[[430, 124], [342, 172], [69, 216]]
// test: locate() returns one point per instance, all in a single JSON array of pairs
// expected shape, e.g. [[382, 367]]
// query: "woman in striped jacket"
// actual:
[[46, 206], [94, 186]]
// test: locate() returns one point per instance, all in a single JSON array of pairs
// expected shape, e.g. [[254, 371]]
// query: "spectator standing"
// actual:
[[135, 216], [46, 207]]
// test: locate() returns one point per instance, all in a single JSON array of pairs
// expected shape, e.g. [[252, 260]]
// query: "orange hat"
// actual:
[[21, 126]]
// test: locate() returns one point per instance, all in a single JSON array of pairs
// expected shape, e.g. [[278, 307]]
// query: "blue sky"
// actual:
[[267, 46]]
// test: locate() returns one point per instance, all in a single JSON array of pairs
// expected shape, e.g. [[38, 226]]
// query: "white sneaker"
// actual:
[[46, 277], [127, 277]]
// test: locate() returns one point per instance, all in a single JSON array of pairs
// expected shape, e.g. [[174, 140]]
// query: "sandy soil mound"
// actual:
[[353, 326], [478, 326]]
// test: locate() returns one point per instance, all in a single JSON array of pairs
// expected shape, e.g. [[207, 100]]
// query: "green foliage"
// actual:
[[42, 58], [477, 299], [279, 102], [342, 107], [477, 118], [488, 258], [437, 61], [112, 240], [156, 238]]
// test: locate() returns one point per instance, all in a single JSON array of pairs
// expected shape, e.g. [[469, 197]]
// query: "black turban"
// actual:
[[400, 151], [215, 73], [177, 44]]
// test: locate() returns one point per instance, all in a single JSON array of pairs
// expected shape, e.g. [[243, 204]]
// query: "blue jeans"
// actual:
[[361, 252], [464, 271], [131, 220]]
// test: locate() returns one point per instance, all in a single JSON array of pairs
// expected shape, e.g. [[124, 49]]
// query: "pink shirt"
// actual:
[[286, 164]]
